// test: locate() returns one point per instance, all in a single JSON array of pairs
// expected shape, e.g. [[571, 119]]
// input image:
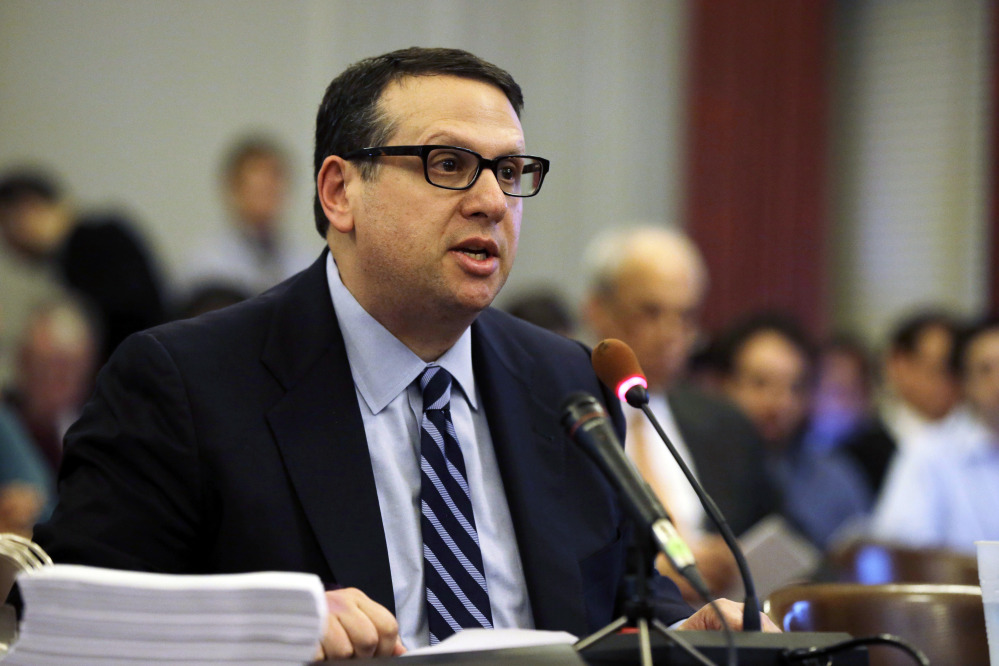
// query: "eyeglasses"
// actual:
[[456, 168]]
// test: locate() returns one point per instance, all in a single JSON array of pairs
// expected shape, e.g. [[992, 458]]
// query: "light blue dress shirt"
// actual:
[[385, 373], [944, 490]]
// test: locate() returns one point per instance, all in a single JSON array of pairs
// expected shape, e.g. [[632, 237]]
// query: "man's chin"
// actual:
[[478, 295]]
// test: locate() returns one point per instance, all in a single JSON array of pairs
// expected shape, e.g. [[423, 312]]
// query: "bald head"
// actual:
[[646, 287]]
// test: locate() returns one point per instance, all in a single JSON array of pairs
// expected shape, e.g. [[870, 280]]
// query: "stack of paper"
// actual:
[[85, 615]]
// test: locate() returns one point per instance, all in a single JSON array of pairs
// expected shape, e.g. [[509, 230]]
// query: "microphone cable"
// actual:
[[803, 655]]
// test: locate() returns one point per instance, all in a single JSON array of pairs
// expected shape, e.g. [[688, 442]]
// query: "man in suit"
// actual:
[[767, 361], [646, 287], [291, 431]]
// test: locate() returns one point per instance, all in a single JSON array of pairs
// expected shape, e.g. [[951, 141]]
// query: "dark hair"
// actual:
[[543, 308], [210, 296], [349, 118], [963, 339], [22, 184], [909, 331], [850, 344], [731, 342], [251, 147]]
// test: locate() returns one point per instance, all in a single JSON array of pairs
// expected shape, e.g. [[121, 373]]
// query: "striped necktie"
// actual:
[[457, 597]]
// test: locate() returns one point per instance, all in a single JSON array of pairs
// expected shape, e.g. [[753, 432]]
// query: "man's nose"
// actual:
[[486, 198]]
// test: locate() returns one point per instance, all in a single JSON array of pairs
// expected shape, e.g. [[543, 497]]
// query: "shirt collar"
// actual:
[[381, 365]]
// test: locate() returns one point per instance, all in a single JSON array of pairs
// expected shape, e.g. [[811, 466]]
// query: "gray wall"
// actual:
[[133, 101], [911, 169]]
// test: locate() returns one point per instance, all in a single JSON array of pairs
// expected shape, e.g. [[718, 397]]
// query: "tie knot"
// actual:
[[435, 384]]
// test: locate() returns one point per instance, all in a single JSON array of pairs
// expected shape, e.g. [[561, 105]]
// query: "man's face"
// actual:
[[769, 382], [34, 226], [257, 193], [841, 393], [981, 376], [424, 252], [56, 368], [922, 378], [654, 309]]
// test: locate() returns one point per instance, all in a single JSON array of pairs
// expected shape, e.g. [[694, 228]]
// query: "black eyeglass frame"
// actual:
[[424, 151]]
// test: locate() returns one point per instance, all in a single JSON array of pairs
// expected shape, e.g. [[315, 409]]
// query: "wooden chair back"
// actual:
[[946, 622], [873, 563]]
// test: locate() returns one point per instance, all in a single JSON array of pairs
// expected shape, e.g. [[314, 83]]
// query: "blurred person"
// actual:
[[251, 251], [544, 308], [646, 288], [207, 298], [100, 257], [23, 285], [842, 400], [26, 484], [768, 371], [56, 365], [919, 393], [943, 490], [704, 368]]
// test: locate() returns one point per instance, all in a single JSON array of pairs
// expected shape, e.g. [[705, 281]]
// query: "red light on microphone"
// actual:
[[629, 383]]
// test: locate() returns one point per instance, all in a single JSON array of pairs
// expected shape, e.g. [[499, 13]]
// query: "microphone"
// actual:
[[617, 366], [586, 423]]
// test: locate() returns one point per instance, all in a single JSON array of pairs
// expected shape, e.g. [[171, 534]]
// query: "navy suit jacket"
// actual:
[[234, 442]]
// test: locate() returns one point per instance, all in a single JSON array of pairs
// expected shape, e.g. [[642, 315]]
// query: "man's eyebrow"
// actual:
[[445, 139]]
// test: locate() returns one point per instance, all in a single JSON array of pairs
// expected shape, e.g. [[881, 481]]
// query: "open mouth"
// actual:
[[478, 249], [480, 255]]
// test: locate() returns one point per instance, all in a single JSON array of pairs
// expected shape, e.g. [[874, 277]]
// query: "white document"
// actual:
[[472, 640]]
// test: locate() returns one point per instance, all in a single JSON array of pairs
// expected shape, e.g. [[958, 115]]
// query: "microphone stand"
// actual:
[[751, 607], [638, 609]]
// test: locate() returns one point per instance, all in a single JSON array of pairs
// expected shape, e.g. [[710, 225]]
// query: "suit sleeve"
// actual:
[[129, 483]]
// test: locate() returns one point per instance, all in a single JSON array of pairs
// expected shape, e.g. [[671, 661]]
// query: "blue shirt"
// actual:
[[21, 462], [944, 490], [385, 373]]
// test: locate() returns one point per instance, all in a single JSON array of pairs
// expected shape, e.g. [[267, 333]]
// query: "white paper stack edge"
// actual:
[[86, 615]]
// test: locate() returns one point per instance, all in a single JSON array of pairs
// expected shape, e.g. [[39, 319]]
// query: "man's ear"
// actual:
[[331, 186]]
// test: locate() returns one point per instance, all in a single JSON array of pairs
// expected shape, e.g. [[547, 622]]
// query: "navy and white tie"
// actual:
[[457, 596]]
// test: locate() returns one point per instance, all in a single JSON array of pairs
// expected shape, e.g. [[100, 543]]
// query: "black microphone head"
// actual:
[[617, 366], [579, 407]]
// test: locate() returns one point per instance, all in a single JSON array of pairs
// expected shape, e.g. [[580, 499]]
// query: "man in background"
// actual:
[[97, 257], [251, 252], [920, 393], [646, 288], [843, 401], [943, 490], [56, 364], [768, 370]]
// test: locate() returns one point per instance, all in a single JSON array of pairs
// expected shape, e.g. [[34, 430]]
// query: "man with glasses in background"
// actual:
[[371, 419]]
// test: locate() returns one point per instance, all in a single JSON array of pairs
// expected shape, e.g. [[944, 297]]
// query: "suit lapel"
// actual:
[[531, 457], [320, 433]]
